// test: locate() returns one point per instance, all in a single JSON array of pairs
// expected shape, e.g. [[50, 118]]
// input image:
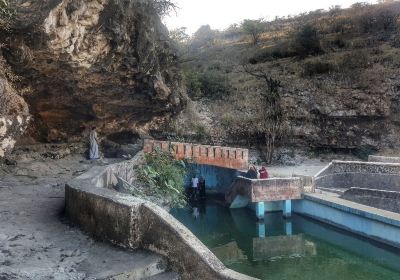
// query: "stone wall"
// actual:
[[135, 223], [371, 175], [227, 157], [387, 200], [384, 159]]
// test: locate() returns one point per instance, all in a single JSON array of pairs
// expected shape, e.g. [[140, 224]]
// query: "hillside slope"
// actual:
[[339, 72]]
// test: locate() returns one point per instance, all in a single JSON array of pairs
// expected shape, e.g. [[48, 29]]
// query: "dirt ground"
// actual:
[[36, 241]]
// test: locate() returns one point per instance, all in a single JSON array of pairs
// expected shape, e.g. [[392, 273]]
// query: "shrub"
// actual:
[[353, 60], [281, 50], [201, 132], [339, 42], [209, 84], [164, 175], [315, 67], [306, 41], [364, 151]]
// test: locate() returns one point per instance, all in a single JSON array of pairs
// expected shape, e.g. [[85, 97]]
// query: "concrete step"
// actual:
[[164, 276]]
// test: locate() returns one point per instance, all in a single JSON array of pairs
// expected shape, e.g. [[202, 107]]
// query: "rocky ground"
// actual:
[[36, 241]]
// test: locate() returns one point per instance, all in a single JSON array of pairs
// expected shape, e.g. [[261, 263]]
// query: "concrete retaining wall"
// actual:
[[274, 189], [384, 159], [371, 175], [387, 200], [380, 225], [227, 157], [134, 223]]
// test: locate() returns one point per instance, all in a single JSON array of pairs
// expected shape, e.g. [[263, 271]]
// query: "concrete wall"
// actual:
[[134, 223], [384, 159], [373, 223], [371, 175], [227, 157], [273, 189]]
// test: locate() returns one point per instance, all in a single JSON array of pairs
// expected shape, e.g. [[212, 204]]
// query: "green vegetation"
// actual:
[[164, 176], [306, 41], [316, 67], [208, 84], [254, 28]]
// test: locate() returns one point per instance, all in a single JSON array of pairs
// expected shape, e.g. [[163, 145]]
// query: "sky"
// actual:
[[219, 14]]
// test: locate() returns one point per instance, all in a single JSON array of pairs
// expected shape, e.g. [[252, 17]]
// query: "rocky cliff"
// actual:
[[104, 63]]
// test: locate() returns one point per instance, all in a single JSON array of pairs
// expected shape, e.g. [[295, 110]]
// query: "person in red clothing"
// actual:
[[263, 173]]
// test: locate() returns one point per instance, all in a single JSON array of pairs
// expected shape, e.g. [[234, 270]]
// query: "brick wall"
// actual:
[[227, 157]]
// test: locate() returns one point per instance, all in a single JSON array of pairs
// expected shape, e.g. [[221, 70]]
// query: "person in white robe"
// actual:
[[94, 147]]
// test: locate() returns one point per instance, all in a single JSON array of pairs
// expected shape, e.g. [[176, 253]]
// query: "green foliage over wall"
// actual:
[[165, 176]]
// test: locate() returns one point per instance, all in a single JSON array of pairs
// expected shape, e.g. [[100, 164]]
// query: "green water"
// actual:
[[281, 249]]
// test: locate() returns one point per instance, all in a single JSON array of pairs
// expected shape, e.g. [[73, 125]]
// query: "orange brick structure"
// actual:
[[227, 157]]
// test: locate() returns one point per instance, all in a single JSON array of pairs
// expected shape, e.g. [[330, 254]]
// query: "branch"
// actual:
[[272, 83]]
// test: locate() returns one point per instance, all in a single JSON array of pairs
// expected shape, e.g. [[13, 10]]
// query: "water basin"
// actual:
[[299, 248]]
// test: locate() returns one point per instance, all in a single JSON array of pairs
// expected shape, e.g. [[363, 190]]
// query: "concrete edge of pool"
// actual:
[[134, 223], [373, 223]]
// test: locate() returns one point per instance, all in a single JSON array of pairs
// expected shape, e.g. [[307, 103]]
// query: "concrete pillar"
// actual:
[[287, 208], [261, 230], [288, 228], [260, 210]]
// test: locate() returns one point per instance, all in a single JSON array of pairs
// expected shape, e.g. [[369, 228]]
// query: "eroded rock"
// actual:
[[103, 63]]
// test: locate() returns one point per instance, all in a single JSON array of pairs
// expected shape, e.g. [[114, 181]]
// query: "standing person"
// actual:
[[263, 173], [195, 183], [252, 173], [94, 147], [202, 187]]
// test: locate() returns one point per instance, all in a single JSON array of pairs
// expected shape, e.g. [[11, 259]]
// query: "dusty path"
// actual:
[[36, 242]]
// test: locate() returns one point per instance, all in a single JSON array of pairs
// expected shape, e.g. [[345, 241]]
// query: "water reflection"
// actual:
[[277, 248]]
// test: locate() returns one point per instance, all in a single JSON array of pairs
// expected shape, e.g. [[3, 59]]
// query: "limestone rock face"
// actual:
[[103, 63], [14, 117]]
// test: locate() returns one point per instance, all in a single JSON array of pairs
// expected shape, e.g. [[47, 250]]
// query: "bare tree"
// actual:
[[273, 115]]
